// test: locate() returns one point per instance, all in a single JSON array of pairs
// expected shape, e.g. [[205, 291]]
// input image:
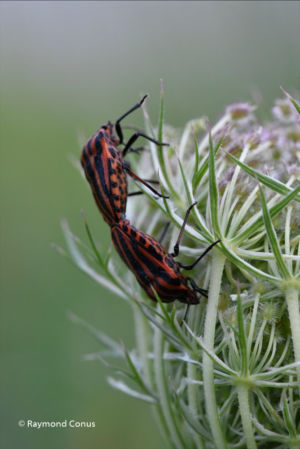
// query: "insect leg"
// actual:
[[176, 246], [135, 136], [133, 175], [135, 193], [191, 266], [198, 289], [154, 181], [140, 192], [185, 314], [163, 232], [136, 150], [117, 124]]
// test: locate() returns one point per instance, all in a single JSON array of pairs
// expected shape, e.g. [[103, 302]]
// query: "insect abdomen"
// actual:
[[153, 268], [104, 172]]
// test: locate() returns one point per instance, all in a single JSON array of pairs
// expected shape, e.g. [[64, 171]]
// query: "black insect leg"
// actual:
[[198, 289], [185, 314], [117, 124], [135, 193], [133, 175], [154, 181], [176, 246], [134, 137], [163, 232], [135, 150], [191, 266]]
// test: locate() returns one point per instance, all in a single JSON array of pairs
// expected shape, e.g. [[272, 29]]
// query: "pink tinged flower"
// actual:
[[252, 138], [267, 135], [294, 135], [293, 169], [284, 111], [242, 113]]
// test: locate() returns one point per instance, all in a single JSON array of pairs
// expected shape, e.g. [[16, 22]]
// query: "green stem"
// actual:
[[163, 392], [243, 398], [209, 337], [292, 299], [142, 341], [192, 390]]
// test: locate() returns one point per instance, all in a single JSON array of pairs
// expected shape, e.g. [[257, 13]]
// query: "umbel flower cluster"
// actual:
[[229, 375]]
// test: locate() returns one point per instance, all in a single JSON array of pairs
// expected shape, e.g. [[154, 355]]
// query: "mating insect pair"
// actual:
[[106, 170]]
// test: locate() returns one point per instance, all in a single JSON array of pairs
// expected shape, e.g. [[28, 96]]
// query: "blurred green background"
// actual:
[[66, 68]]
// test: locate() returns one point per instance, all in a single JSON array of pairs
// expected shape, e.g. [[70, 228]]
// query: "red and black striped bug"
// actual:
[[105, 168], [154, 268]]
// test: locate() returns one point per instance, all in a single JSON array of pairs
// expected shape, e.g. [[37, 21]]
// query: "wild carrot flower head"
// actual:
[[229, 376]]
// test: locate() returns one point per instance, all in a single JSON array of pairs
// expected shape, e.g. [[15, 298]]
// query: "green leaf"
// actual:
[[204, 166], [249, 229], [292, 100], [119, 370], [193, 422], [186, 184], [121, 386], [268, 181], [269, 410], [213, 189], [93, 245], [169, 319], [100, 336], [273, 237], [169, 334], [227, 371], [242, 337], [275, 371], [136, 375], [83, 265], [287, 414], [194, 179], [243, 265], [272, 436]]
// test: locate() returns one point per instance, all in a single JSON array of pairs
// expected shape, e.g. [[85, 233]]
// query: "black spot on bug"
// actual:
[[169, 261], [112, 151], [98, 145], [142, 240]]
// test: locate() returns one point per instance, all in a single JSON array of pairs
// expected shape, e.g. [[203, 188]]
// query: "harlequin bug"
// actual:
[[154, 268], [105, 168]]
